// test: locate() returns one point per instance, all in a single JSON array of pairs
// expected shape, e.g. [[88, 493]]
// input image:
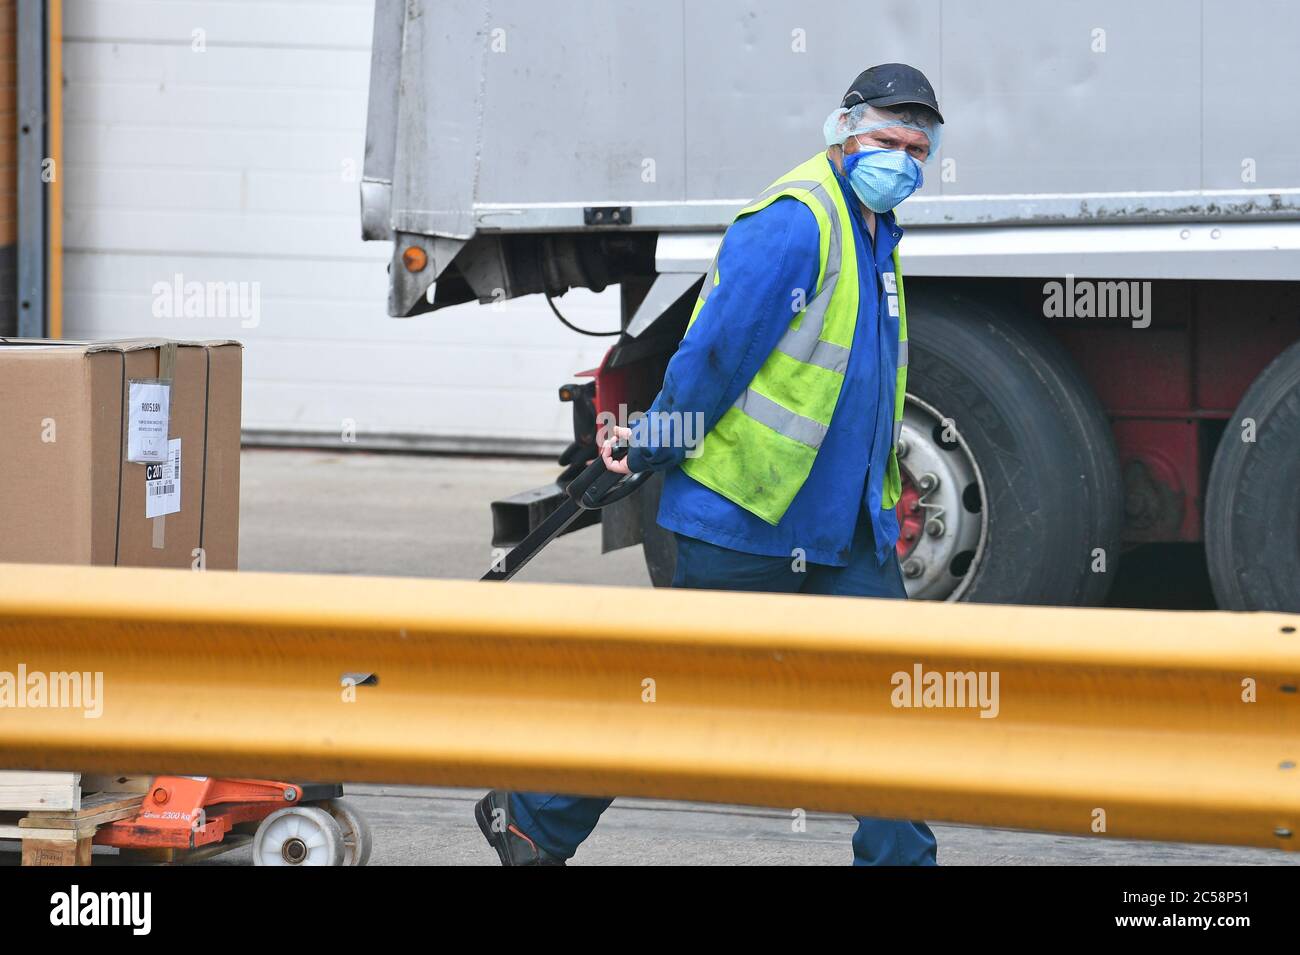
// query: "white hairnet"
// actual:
[[864, 118]]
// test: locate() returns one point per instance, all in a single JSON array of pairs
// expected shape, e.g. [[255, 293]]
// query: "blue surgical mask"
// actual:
[[882, 178]]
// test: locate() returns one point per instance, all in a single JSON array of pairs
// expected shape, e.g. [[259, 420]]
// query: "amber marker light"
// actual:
[[414, 258]]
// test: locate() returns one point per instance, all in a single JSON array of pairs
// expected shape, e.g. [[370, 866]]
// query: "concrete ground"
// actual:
[[402, 515], [427, 516]]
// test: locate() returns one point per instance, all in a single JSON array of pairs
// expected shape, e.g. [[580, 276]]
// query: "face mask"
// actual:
[[882, 178]]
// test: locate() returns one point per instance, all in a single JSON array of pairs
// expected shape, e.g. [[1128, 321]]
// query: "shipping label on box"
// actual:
[[148, 411], [162, 483]]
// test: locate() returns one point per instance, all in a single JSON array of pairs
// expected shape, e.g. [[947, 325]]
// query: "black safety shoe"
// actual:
[[492, 813]]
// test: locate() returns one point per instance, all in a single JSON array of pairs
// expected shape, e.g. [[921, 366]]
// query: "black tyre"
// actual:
[[995, 394], [1252, 502]]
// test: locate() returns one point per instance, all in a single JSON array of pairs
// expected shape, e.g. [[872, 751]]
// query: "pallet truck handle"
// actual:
[[596, 487], [593, 488]]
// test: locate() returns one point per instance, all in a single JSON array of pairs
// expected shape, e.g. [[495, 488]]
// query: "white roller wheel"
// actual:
[[299, 835], [357, 839]]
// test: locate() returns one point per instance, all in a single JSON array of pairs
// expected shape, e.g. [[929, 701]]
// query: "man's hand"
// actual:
[[607, 450]]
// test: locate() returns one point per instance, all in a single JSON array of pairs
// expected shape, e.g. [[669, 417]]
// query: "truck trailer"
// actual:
[[1101, 268]]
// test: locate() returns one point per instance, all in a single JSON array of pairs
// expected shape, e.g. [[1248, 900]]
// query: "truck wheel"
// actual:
[[1252, 503], [1012, 490]]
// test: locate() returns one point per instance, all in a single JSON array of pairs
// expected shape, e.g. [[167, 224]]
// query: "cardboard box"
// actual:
[[69, 494]]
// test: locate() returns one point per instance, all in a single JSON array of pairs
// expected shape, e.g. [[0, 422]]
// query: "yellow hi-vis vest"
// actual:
[[761, 450]]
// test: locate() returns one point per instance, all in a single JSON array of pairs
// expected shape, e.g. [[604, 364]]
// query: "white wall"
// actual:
[[240, 164]]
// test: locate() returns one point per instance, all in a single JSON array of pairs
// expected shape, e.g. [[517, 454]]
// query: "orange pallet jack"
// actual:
[[189, 817]]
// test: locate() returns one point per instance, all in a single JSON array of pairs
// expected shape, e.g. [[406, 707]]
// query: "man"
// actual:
[[795, 358]]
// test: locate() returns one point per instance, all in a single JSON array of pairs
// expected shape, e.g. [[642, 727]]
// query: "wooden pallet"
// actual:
[[56, 815], [64, 838], [22, 791]]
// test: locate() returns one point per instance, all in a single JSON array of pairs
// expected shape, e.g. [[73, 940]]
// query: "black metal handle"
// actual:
[[593, 488], [606, 491], [597, 487]]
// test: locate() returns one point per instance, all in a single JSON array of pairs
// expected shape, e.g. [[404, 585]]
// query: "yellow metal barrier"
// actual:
[[1173, 726]]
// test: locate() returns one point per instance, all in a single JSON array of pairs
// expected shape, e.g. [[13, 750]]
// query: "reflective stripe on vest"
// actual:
[[760, 452], [894, 283]]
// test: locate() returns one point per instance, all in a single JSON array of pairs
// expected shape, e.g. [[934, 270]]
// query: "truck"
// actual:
[[1101, 268]]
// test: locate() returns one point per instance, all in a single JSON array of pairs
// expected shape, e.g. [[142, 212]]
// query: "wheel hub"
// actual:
[[941, 517], [294, 851]]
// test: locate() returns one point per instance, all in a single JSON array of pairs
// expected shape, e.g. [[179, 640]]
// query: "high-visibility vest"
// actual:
[[761, 450]]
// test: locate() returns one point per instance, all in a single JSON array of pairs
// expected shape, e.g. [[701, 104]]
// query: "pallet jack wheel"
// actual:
[[357, 838], [299, 835]]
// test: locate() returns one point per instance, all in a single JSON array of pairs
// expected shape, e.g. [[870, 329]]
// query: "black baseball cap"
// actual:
[[892, 84]]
